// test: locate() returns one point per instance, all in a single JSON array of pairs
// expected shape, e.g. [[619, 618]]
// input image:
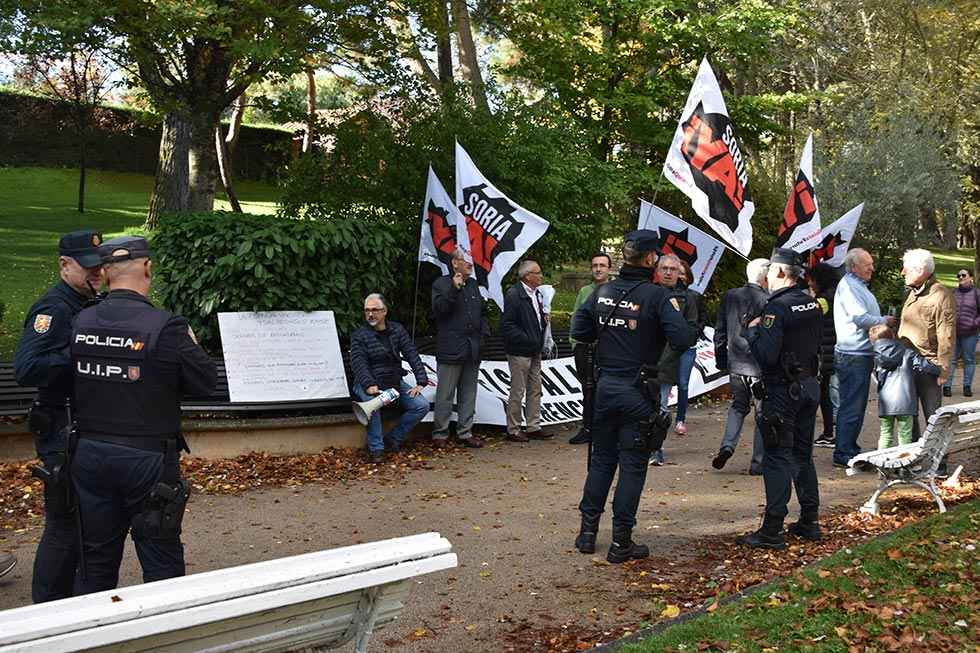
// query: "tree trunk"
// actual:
[[82, 165], [468, 61], [224, 168], [235, 128], [310, 111], [170, 189], [444, 48], [202, 164], [950, 224]]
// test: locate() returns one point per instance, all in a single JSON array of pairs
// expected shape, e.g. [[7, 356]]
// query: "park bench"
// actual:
[[950, 429], [323, 599]]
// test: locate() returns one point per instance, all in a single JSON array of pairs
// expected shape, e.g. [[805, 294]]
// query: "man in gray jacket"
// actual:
[[732, 353]]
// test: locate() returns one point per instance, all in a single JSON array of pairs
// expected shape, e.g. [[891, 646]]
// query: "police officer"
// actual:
[[629, 319], [132, 363], [42, 360], [785, 340]]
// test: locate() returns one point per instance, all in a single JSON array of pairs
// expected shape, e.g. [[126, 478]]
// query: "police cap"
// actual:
[[785, 256], [83, 246], [133, 247], [644, 240]]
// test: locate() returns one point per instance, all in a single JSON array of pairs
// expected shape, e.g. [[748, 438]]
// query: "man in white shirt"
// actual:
[[522, 328]]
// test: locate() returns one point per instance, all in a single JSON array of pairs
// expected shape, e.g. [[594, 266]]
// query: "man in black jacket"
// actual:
[[376, 352], [461, 321], [522, 327], [732, 353]]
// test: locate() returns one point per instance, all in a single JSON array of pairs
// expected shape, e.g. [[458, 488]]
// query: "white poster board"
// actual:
[[282, 356]]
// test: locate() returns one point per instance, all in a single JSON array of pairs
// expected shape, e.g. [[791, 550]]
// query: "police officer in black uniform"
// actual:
[[785, 340], [629, 319], [132, 364], [42, 359]]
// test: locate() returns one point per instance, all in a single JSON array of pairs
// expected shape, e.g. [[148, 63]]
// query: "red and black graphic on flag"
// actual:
[[674, 242], [710, 149], [825, 251], [443, 233], [491, 226], [800, 209]]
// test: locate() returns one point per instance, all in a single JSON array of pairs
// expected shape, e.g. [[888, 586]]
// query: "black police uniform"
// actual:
[[132, 364], [629, 338], [42, 360], [785, 344]]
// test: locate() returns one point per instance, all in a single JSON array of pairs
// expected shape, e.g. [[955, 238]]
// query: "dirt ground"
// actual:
[[510, 512]]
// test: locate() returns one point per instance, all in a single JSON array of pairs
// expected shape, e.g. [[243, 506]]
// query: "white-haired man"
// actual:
[[522, 327], [929, 324], [732, 353]]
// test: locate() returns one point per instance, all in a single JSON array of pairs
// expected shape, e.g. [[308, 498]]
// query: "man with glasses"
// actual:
[[967, 327], [522, 327], [376, 352], [42, 359]]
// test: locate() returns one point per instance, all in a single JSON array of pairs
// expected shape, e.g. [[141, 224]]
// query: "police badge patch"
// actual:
[[768, 321], [42, 323], [133, 373]]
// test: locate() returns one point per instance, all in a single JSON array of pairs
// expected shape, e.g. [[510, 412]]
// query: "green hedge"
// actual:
[[225, 262]]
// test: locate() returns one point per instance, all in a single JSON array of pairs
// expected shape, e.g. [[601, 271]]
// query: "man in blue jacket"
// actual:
[[376, 352]]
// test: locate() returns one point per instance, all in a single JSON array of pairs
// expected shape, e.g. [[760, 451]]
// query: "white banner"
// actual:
[[800, 228], [439, 236], [499, 229], [282, 356], [835, 238], [704, 161], [698, 249]]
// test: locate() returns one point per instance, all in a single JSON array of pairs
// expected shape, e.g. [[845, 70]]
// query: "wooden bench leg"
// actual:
[[367, 614]]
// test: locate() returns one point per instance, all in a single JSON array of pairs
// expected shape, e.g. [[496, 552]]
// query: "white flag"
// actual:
[[704, 161], [800, 228], [698, 249], [439, 236], [835, 239], [499, 229]]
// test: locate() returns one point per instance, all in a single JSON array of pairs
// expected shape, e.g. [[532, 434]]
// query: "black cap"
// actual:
[[134, 246], [644, 240], [83, 246], [787, 256]]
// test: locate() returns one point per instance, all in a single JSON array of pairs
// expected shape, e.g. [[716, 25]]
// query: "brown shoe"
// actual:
[[472, 442], [517, 437], [540, 434]]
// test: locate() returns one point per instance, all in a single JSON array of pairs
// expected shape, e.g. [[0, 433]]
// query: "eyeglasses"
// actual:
[[374, 310], [963, 276]]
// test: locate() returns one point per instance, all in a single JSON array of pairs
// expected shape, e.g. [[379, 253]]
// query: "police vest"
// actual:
[[629, 336], [118, 388]]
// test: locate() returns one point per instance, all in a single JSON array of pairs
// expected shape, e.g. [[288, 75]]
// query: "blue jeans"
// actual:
[[854, 376], [966, 348], [685, 365], [415, 409]]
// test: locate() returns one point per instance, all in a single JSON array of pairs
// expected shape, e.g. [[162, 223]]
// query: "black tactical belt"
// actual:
[[156, 445]]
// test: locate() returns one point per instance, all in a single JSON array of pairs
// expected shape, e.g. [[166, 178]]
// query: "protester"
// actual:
[[967, 327], [929, 325], [668, 273], [601, 265], [823, 283], [461, 321], [732, 354], [132, 363], [855, 311], [42, 359], [522, 328], [376, 352], [630, 320], [695, 307], [896, 367], [785, 340]]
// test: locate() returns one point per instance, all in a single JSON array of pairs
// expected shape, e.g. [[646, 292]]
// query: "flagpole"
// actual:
[[653, 202], [657, 187]]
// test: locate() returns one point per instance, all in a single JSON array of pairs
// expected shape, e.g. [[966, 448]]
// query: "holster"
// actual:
[[162, 513], [39, 420], [646, 381], [771, 428]]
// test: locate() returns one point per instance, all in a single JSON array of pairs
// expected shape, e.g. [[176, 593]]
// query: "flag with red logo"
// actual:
[[439, 237], [835, 239], [499, 229], [800, 228], [706, 163], [691, 245]]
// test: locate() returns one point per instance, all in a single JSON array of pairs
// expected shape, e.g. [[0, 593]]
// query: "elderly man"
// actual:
[[600, 266], [522, 327], [855, 312], [732, 353], [376, 352], [967, 327], [461, 321], [929, 324]]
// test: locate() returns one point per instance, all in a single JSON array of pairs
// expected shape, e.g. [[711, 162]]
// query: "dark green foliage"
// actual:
[[225, 262]]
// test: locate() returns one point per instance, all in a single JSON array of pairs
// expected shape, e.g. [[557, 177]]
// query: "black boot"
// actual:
[[723, 455], [583, 436], [585, 542], [807, 528], [623, 548], [769, 536]]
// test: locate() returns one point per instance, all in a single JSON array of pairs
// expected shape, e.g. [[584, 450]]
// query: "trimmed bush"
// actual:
[[225, 262]]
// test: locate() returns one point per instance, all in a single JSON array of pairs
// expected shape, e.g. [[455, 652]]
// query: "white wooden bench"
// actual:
[[323, 599], [950, 429]]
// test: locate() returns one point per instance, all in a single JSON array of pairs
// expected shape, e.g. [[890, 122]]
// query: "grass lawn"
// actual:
[[949, 263], [37, 205], [913, 591]]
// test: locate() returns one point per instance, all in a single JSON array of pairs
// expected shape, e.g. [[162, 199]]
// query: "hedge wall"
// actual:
[[38, 131]]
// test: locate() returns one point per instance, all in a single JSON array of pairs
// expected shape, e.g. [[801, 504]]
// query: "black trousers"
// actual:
[[826, 406], [112, 482], [620, 407], [789, 464], [588, 394]]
